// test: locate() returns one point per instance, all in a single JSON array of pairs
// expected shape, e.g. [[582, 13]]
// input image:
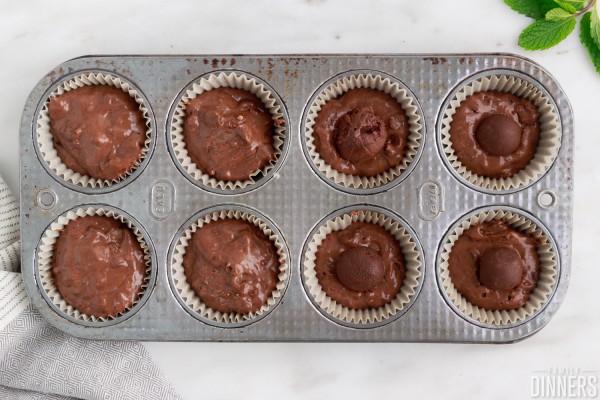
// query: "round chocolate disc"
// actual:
[[500, 268], [360, 135], [360, 269], [499, 135]]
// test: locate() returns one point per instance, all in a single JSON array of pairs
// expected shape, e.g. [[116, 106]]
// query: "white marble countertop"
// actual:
[[37, 35]]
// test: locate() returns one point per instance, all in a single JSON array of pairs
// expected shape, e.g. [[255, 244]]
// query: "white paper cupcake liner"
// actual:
[[550, 132], [539, 296], [236, 80], [376, 82], [412, 265], [44, 136], [46, 250], [189, 296]]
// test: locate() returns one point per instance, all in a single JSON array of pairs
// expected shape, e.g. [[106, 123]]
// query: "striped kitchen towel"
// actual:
[[38, 361]]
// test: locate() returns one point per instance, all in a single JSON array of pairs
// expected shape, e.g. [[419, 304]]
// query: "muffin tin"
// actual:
[[294, 198]]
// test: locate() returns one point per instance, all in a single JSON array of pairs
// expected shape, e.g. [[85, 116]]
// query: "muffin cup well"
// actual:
[[189, 296], [538, 298], [44, 136], [548, 144], [413, 264], [46, 251], [377, 81], [237, 80]]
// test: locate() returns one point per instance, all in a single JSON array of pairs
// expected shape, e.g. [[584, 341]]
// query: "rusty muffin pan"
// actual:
[[294, 198]]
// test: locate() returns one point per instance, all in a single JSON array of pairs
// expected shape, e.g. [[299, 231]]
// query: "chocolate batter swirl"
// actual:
[[361, 234], [98, 131], [465, 262], [232, 266], [228, 133], [486, 110], [98, 266], [364, 132]]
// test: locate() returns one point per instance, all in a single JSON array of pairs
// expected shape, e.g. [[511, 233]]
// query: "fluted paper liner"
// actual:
[[46, 250], [44, 136], [236, 80], [371, 81], [538, 297], [548, 144], [412, 265], [189, 296]]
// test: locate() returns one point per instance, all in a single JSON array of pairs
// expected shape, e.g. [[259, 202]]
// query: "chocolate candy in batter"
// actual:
[[499, 135], [228, 133], [500, 268], [98, 131], [360, 269], [494, 266], [98, 266], [231, 266], [360, 135], [364, 132], [495, 134], [360, 266]]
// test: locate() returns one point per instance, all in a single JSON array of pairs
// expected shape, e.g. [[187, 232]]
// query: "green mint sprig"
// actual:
[[556, 19]]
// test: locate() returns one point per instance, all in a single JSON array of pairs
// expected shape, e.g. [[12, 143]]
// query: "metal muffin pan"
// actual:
[[294, 199]]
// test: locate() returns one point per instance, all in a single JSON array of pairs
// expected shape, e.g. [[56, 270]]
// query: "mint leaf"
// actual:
[[577, 4], [543, 34], [585, 35], [557, 14], [566, 5], [535, 9], [595, 24]]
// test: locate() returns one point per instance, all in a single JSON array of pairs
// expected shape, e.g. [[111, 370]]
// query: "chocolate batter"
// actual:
[[98, 266], [363, 132], [232, 266], [98, 131], [228, 133], [494, 266], [379, 289], [495, 134]]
